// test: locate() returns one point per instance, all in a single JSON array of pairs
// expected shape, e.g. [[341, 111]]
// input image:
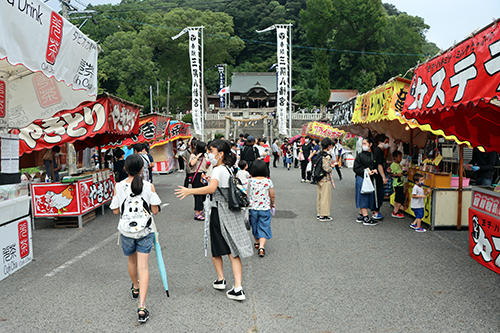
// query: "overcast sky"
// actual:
[[450, 20]]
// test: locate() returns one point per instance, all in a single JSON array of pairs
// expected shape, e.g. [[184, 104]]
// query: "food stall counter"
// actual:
[[73, 197], [484, 227]]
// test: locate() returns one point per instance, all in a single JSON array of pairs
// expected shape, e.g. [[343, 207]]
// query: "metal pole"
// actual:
[[157, 96], [168, 95], [202, 75], [151, 98], [460, 186], [290, 78]]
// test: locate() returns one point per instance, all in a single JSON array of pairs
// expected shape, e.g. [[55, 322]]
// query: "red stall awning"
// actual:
[[456, 93], [105, 120]]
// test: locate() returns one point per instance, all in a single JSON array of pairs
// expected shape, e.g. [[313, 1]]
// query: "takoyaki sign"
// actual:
[[72, 199]]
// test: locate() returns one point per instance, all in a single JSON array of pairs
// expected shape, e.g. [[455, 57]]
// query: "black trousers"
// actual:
[[338, 171], [276, 159], [198, 199], [303, 166], [181, 163], [186, 180]]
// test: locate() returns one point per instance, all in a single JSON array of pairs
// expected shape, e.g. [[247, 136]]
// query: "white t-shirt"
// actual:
[[417, 202], [123, 190], [243, 175], [222, 175]]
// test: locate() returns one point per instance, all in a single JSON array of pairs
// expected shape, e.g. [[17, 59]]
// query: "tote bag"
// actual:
[[367, 186]]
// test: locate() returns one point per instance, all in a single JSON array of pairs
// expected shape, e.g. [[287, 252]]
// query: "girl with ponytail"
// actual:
[[136, 249], [228, 235]]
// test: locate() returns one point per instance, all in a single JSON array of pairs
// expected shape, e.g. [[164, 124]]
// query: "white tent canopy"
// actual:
[[46, 64]]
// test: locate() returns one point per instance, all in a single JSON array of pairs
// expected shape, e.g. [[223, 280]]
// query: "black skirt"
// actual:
[[217, 241]]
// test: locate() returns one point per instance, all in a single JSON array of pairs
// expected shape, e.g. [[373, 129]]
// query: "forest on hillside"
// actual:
[[338, 44]]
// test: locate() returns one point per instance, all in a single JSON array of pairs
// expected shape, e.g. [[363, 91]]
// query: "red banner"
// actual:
[[461, 82], [484, 239], [84, 125], [157, 130]]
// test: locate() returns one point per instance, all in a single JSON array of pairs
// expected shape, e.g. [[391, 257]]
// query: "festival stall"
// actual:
[[318, 130], [46, 65], [107, 119], [161, 133], [456, 95]]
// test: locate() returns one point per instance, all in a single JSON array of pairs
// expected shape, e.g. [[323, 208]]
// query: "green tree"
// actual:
[[317, 21]]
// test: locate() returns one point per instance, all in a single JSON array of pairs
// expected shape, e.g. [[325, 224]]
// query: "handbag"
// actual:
[[192, 177], [367, 186], [236, 199]]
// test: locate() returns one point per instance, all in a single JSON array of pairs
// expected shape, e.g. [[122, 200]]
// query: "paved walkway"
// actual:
[[336, 276]]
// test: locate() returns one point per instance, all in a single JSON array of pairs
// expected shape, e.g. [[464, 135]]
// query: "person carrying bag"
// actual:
[[365, 168]]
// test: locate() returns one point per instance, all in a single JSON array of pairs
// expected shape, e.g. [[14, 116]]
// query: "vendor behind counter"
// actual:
[[51, 166], [483, 164]]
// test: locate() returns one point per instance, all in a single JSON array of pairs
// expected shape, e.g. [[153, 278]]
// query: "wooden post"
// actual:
[[460, 185]]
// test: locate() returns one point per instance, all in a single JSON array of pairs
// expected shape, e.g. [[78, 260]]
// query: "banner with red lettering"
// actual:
[[317, 130], [156, 130], [484, 239], [50, 64], [456, 93], [92, 123]]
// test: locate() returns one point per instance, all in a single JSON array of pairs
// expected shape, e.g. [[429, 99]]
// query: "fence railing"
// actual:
[[295, 116]]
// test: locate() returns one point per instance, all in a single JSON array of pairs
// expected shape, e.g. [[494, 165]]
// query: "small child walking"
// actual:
[[417, 202], [261, 195], [397, 183], [243, 173], [289, 156]]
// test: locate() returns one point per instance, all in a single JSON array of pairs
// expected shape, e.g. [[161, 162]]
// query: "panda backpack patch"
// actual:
[[135, 218]]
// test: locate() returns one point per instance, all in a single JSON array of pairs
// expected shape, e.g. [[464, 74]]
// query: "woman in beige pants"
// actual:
[[324, 184]]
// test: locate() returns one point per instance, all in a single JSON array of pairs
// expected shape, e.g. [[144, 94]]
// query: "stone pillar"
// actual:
[[228, 126]]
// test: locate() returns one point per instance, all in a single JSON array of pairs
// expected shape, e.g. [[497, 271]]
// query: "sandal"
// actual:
[[256, 245], [263, 252], [199, 217], [135, 292], [144, 316]]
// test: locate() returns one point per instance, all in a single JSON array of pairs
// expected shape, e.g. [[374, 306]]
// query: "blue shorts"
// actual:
[[141, 245], [419, 213]]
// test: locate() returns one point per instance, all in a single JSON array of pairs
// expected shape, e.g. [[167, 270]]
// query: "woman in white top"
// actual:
[[228, 235], [137, 250]]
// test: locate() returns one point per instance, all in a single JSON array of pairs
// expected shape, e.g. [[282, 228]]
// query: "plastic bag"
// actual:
[[309, 167], [367, 186]]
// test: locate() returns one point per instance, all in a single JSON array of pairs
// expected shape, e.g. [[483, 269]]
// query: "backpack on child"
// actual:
[[135, 219]]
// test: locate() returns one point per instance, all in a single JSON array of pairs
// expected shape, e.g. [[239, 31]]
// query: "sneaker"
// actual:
[[368, 221], [398, 215], [219, 285], [318, 217], [377, 216], [314, 183], [308, 181], [303, 181], [413, 226], [238, 296], [325, 218], [359, 219], [420, 229]]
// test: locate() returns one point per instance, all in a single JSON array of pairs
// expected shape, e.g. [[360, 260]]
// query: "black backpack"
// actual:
[[317, 167], [237, 198]]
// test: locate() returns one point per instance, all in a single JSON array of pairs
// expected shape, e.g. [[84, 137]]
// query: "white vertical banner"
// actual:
[[282, 98], [196, 74]]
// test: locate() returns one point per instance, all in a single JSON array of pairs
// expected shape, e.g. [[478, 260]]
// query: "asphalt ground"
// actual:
[[337, 276]]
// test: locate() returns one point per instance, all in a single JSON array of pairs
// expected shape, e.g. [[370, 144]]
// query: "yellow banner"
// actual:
[[383, 103]]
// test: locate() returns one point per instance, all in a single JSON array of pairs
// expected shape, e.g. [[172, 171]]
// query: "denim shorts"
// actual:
[[141, 245], [419, 213]]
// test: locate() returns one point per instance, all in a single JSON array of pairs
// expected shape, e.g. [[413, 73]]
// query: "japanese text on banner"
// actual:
[[194, 56], [283, 79]]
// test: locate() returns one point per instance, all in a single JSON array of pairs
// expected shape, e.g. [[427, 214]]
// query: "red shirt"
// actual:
[[267, 159]]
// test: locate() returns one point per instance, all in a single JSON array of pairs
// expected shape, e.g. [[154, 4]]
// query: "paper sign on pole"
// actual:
[[283, 77]]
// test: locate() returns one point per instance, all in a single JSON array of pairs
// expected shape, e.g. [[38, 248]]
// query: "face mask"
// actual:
[[386, 145], [307, 140], [212, 159], [365, 148]]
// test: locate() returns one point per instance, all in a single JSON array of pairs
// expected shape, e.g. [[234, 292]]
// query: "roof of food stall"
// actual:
[[46, 64], [157, 130], [319, 130], [456, 93], [92, 123]]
